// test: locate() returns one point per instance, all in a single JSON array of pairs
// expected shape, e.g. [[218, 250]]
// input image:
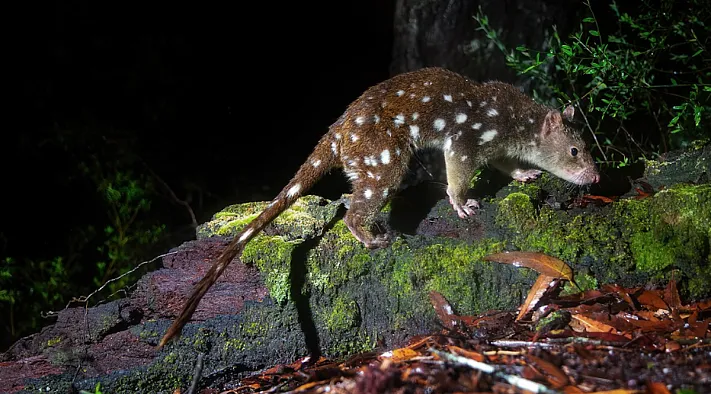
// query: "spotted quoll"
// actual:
[[474, 124]]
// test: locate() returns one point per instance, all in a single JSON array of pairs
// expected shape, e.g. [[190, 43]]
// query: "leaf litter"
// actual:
[[611, 340]]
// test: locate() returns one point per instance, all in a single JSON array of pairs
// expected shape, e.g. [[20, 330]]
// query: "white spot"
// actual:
[[360, 120], [439, 124], [353, 162], [400, 93], [447, 144], [451, 153], [448, 97], [352, 175], [469, 103], [414, 132], [370, 97], [368, 194], [271, 204], [461, 118], [488, 136], [316, 163], [370, 175], [383, 104], [492, 112], [293, 190], [426, 99], [415, 116], [389, 133], [354, 137], [476, 126], [385, 193], [370, 161], [377, 177], [412, 95], [397, 151], [530, 120], [385, 156], [338, 136], [246, 234], [400, 119], [376, 118], [493, 99], [464, 157], [482, 104], [428, 83], [334, 148]]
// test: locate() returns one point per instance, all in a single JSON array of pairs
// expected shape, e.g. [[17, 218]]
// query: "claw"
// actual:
[[467, 209]]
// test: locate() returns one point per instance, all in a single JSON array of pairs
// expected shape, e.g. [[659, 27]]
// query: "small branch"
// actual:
[[516, 381], [173, 196], [197, 374]]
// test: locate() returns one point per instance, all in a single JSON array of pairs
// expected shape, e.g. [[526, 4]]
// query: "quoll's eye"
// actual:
[[574, 151]]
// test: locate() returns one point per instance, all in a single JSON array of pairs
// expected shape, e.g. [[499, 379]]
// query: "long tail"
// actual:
[[322, 160]]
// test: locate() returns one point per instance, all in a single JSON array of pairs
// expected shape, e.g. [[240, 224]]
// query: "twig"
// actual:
[[516, 381], [197, 374], [173, 196]]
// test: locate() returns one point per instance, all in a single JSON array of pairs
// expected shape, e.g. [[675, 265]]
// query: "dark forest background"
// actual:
[[208, 104]]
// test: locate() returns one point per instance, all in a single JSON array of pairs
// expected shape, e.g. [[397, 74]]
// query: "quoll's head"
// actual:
[[563, 151]]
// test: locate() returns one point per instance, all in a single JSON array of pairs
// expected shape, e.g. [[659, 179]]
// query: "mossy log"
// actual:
[[307, 286]]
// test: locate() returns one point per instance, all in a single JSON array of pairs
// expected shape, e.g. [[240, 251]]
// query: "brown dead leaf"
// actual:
[[671, 296], [403, 354], [476, 356], [657, 388], [592, 325], [444, 310], [555, 376], [618, 391], [542, 263], [620, 292], [534, 294], [651, 298]]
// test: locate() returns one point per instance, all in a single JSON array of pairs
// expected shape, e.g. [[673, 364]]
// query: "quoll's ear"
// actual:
[[569, 113], [551, 123]]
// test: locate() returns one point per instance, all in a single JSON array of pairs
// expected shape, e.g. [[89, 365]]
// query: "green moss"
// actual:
[[584, 282], [360, 344], [54, 341], [170, 358], [342, 316], [339, 258], [516, 210], [272, 256], [234, 344], [450, 268]]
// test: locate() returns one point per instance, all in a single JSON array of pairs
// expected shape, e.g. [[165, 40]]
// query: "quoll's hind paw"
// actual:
[[379, 241], [466, 209], [525, 176]]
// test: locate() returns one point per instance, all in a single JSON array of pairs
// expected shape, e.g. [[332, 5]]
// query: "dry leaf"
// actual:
[[657, 388], [542, 263], [555, 376], [593, 325], [444, 310], [534, 295], [476, 356], [403, 354], [651, 298]]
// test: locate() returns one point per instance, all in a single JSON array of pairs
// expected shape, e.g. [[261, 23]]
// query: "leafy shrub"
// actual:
[[643, 75]]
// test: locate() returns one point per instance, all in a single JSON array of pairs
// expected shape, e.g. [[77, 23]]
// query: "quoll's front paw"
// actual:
[[466, 209], [527, 175]]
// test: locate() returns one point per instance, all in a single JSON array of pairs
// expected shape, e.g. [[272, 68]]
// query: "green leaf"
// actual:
[[588, 20], [566, 49], [697, 53], [697, 114], [594, 33]]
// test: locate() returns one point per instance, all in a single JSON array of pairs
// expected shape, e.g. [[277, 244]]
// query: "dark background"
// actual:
[[230, 98], [223, 102]]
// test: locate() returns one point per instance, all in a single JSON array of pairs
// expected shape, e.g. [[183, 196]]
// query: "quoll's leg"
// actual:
[[460, 170], [372, 188], [516, 170]]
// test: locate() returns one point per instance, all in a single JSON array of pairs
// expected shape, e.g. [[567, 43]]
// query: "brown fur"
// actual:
[[373, 141]]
